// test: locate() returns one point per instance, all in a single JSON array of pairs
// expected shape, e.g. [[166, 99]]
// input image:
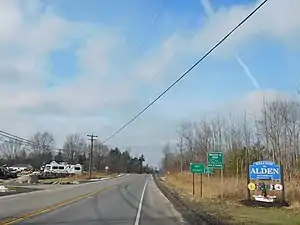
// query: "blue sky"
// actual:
[[89, 67]]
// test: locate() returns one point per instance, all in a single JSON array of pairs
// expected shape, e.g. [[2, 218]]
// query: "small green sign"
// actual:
[[209, 170], [215, 160], [197, 168]]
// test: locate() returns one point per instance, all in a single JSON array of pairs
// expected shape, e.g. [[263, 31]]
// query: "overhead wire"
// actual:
[[15, 137], [22, 140], [189, 70]]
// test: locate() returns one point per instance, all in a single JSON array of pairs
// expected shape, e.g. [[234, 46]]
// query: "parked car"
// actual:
[[6, 173]]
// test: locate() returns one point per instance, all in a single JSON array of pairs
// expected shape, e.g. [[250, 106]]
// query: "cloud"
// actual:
[[29, 33], [264, 24], [108, 84], [184, 43], [210, 14], [253, 102]]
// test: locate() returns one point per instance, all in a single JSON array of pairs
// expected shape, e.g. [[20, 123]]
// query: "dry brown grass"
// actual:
[[233, 190], [95, 175], [229, 188]]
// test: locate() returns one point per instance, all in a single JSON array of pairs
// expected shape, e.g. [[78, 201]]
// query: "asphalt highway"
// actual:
[[129, 200]]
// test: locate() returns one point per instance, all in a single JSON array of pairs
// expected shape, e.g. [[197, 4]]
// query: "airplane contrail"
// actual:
[[247, 71], [207, 8], [210, 13]]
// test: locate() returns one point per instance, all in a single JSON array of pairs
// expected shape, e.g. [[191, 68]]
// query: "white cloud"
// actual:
[[157, 61], [96, 56], [11, 20], [28, 35], [266, 23], [253, 102], [29, 32]]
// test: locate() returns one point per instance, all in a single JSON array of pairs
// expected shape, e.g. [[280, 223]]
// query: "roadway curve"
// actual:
[[129, 200]]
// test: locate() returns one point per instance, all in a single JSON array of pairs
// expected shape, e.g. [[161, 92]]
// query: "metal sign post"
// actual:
[[199, 168], [215, 161]]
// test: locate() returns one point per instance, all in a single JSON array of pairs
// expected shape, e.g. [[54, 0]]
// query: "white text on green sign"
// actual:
[[215, 160], [197, 168], [209, 170]]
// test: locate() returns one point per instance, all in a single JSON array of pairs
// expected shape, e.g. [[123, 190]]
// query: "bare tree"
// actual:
[[10, 149], [100, 153], [42, 148], [186, 133], [273, 135], [43, 142], [73, 146]]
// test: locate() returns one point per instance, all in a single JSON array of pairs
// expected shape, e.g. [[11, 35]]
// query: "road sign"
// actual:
[[251, 186], [197, 168], [264, 170], [209, 170], [215, 160]]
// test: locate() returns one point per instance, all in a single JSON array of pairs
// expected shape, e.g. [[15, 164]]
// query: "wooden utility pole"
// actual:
[[181, 154], [92, 138]]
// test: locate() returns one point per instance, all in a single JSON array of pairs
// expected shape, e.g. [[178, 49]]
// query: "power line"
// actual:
[[189, 70], [22, 140], [16, 138]]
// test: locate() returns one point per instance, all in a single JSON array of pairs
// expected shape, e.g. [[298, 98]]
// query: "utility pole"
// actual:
[[92, 138], [181, 155], [166, 155]]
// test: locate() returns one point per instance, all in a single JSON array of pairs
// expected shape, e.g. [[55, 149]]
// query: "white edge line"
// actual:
[[173, 209], [138, 215]]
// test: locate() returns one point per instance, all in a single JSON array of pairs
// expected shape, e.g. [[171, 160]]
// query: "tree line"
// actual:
[[273, 135], [41, 149]]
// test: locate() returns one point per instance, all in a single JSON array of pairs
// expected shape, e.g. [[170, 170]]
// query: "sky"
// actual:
[[88, 67]]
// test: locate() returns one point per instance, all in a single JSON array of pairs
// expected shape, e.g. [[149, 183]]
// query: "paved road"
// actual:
[[132, 200]]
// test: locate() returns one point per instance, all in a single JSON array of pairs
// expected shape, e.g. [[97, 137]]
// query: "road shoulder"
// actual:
[[189, 210], [157, 208]]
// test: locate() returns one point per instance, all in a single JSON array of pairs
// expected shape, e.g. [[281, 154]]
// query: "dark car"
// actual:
[[7, 174]]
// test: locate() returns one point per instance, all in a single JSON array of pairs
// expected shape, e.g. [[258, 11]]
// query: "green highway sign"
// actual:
[[197, 168], [209, 170], [215, 160]]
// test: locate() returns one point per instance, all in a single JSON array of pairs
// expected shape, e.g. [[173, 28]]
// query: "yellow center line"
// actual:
[[51, 208]]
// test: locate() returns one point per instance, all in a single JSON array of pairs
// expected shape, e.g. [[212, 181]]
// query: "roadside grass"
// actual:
[[230, 209]]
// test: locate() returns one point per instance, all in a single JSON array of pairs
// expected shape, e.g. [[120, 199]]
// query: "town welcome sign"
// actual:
[[264, 170]]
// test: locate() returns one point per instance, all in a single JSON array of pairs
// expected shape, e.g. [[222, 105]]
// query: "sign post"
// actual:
[[193, 184], [201, 185], [198, 168], [282, 183], [215, 160]]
